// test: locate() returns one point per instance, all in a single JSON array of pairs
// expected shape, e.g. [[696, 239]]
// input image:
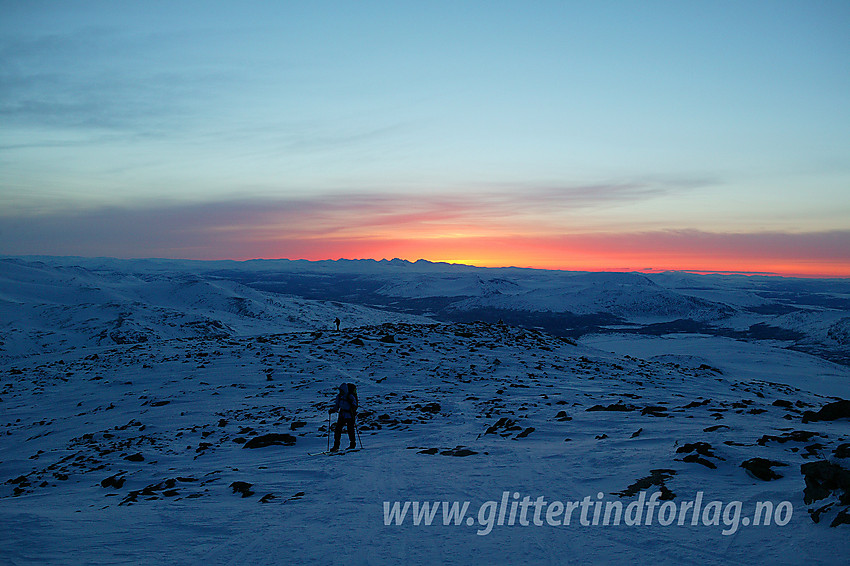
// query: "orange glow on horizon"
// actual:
[[639, 253]]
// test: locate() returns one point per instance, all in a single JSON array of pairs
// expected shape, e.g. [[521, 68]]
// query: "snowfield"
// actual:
[[159, 412]]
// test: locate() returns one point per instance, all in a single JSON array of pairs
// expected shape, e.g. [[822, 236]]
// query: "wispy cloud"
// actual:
[[96, 80], [362, 215]]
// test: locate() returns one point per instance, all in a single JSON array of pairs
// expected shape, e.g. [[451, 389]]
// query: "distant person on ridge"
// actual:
[[337, 323], [346, 404]]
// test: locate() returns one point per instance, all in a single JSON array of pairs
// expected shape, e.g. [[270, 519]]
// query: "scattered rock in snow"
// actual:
[[824, 478], [113, 481], [794, 436], [242, 487], [655, 478], [761, 468], [270, 439], [618, 406], [829, 412], [699, 449], [458, 451], [525, 433]]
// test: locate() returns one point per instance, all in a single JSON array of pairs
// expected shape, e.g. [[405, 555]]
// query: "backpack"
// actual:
[[352, 399]]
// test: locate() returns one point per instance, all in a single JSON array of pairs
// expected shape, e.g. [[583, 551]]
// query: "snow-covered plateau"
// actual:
[[176, 412]]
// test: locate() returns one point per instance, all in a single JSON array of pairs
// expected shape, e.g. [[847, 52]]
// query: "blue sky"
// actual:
[[432, 122]]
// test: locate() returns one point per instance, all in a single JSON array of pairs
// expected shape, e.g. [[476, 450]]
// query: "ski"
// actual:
[[334, 453]]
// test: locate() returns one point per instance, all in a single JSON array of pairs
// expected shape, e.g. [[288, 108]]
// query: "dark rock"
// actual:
[[160, 403], [782, 403], [655, 478], [601, 436], [794, 436], [270, 439], [636, 433], [268, 497], [813, 450], [502, 423], [843, 451], [388, 339], [431, 408], [113, 481], [654, 411], [700, 449], [843, 518], [132, 497], [816, 513], [242, 487], [526, 432], [703, 448], [562, 416], [829, 412], [695, 404], [137, 457], [297, 424], [618, 406], [761, 468], [429, 451], [459, 451], [696, 459], [715, 428], [822, 479]]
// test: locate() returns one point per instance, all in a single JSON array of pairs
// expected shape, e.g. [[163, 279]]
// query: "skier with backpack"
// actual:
[[346, 403]]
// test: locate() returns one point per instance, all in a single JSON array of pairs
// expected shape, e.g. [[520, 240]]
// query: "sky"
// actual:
[[586, 135]]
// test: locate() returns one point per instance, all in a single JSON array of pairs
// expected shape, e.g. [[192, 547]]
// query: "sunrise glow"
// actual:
[[563, 135]]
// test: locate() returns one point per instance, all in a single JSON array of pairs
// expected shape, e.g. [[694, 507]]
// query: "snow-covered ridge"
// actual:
[[54, 307], [261, 295]]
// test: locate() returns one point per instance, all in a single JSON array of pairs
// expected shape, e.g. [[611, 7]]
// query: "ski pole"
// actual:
[[360, 440], [329, 431]]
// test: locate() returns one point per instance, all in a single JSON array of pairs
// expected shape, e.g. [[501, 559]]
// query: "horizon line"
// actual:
[[650, 271]]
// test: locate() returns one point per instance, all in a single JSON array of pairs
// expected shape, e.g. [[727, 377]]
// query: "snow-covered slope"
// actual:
[[46, 307], [133, 454], [626, 295], [580, 293], [139, 451]]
